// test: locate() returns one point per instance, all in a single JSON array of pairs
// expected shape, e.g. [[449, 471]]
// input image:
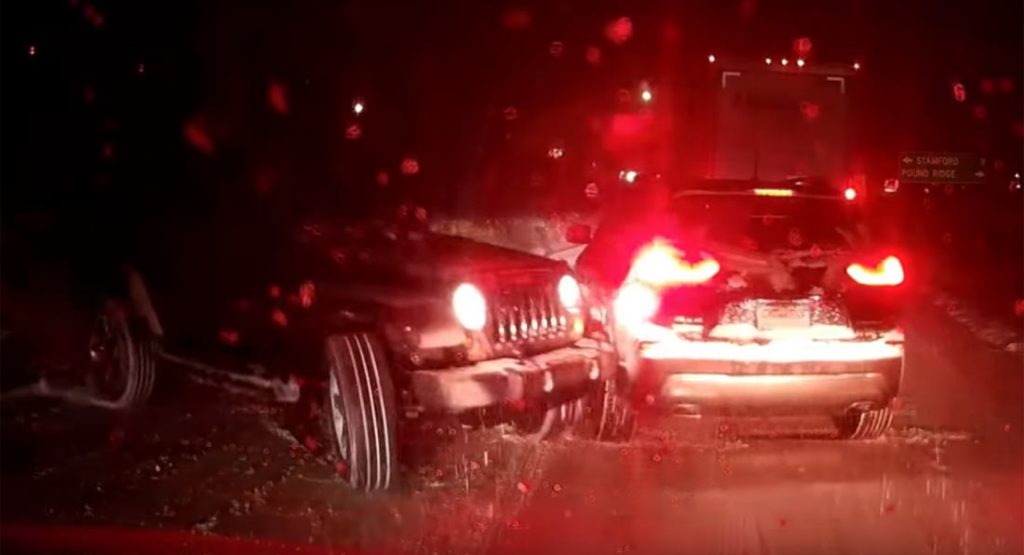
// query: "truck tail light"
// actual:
[[660, 264], [887, 272]]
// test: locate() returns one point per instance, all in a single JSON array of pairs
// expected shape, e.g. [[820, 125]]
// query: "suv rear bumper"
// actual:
[[779, 378], [556, 374]]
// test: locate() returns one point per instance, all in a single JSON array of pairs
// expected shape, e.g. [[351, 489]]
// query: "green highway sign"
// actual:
[[941, 167]]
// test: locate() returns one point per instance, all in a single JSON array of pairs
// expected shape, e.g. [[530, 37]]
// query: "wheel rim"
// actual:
[[110, 357], [338, 422]]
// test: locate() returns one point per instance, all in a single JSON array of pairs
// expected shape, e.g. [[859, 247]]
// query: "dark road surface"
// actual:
[[215, 472]]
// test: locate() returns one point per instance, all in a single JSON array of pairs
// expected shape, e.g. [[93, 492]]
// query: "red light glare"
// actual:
[[711, 58], [646, 95], [358, 106], [660, 264], [800, 62], [784, 62], [850, 193], [32, 50], [888, 272], [635, 304], [768, 61], [620, 30], [856, 66], [629, 176], [556, 153]]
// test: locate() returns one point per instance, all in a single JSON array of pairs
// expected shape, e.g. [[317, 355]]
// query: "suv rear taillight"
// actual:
[[886, 272], [660, 264]]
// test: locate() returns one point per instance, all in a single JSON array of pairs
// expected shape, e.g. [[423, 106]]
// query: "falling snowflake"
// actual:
[[593, 55], [556, 49], [141, 69], [277, 98], [383, 178], [510, 113], [274, 292], [32, 50], [279, 318], [980, 112], [307, 294], [228, 337], [959, 92], [1006, 85], [987, 86], [619, 31], [197, 136], [802, 46], [516, 18], [353, 131], [748, 8], [410, 166], [810, 111]]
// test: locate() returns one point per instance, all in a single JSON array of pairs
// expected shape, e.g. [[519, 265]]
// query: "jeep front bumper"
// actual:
[[551, 375]]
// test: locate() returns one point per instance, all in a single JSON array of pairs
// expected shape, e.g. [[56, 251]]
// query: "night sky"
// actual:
[[165, 104]]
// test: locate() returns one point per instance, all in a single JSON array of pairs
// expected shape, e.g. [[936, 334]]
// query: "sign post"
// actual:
[[941, 167]]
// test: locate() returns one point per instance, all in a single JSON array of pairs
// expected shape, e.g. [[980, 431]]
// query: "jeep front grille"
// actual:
[[526, 314]]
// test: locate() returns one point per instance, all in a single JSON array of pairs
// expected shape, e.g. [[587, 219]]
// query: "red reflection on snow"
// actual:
[[620, 30], [277, 98]]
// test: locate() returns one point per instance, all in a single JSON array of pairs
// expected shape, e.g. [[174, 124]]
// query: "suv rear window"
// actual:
[[767, 224]]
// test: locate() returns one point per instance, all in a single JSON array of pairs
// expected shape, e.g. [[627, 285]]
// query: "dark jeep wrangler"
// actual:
[[386, 323]]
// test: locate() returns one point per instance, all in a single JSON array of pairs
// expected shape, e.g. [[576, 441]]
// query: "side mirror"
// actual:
[[578, 234]]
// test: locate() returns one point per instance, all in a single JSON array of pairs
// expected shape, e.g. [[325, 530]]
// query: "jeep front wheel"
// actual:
[[361, 411], [121, 371]]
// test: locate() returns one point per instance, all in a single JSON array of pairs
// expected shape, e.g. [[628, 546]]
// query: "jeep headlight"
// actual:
[[469, 306]]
